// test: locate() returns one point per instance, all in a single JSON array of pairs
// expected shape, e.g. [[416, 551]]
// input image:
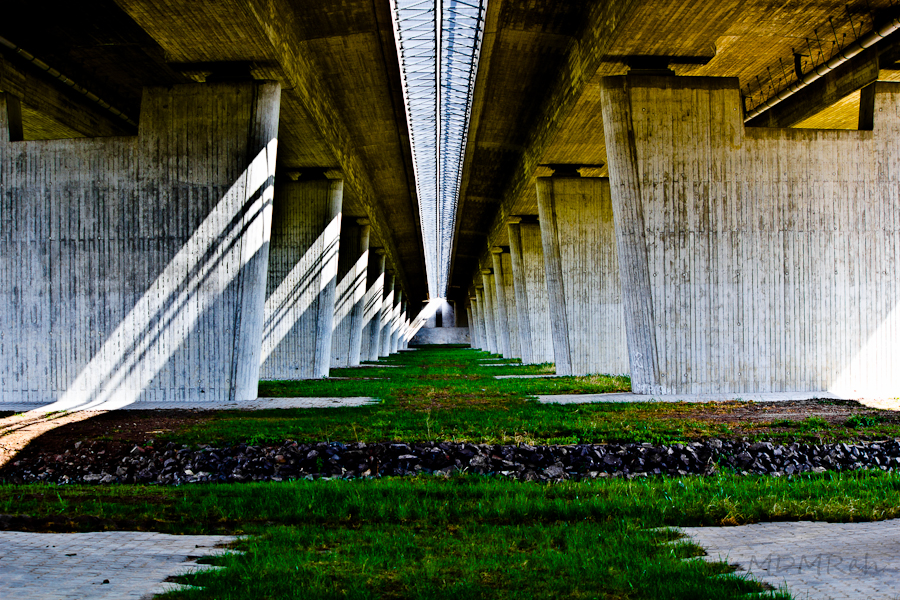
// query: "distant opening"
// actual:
[[438, 319]]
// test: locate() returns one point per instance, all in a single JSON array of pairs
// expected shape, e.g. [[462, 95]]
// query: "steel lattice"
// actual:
[[438, 79]]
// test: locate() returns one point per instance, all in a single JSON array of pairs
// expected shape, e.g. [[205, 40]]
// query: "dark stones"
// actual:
[[174, 465]]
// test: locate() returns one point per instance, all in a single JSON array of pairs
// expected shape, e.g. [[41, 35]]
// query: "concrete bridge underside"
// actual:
[[198, 195]]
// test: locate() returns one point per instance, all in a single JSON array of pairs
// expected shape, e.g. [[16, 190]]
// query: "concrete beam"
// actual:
[[70, 114]]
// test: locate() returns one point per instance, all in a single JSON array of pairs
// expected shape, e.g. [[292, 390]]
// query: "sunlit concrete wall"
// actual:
[[759, 259], [372, 307], [134, 268], [300, 292], [348, 304]]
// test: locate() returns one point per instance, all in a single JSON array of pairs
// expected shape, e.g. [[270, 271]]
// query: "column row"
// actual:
[[169, 266]]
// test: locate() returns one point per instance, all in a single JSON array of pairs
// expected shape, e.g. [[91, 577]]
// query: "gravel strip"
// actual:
[[89, 462]]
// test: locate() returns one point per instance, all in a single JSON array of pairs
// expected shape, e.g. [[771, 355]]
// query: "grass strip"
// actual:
[[467, 536], [445, 394]]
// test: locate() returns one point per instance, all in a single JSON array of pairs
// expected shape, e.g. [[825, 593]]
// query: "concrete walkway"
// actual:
[[113, 565], [818, 561], [738, 397]]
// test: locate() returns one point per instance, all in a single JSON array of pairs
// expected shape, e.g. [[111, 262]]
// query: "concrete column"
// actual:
[[757, 259], [500, 305], [578, 238], [472, 331], [404, 323], [492, 322], [477, 325], [303, 266], [448, 315], [559, 322], [487, 327], [359, 297], [387, 313], [519, 287], [395, 322], [134, 268], [372, 312], [632, 244], [353, 262], [536, 286]]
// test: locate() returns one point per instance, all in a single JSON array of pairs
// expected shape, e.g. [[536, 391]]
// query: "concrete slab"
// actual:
[[106, 565], [258, 404], [819, 561], [628, 397]]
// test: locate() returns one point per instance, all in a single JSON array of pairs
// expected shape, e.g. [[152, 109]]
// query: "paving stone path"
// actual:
[[113, 565], [258, 404], [815, 560], [629, 397]]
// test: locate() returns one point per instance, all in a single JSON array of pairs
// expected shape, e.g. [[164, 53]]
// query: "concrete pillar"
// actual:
[[372, 312], [489, 312], [477, 324], [582, 272], [559, 322], [486, 341], [395, 322], [387, 313], [303, 266], [134, 268], [757, 259], [353, 262], [500, 306], [448, 315], [503, 283], [632, 246], [520, 290], [404, 323], [359, 297], [536, 286], [472, 329]]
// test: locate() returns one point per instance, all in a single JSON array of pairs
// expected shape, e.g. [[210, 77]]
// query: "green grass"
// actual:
[[470, 536], [467, 536], [445, 394]]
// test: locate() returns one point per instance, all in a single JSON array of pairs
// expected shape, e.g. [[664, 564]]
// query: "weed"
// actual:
[[860, 421]]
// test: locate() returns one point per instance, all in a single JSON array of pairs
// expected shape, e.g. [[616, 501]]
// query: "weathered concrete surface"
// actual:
[[131, 276], [353, 263], [629, 397], [536, 293], [102, 565], [300, 291], [769, 264], [387, 314], [582, 273], [486, 308], [814, 560], [442, 335], [501, 306], [256, 404], [371, 342], [343, 104]]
